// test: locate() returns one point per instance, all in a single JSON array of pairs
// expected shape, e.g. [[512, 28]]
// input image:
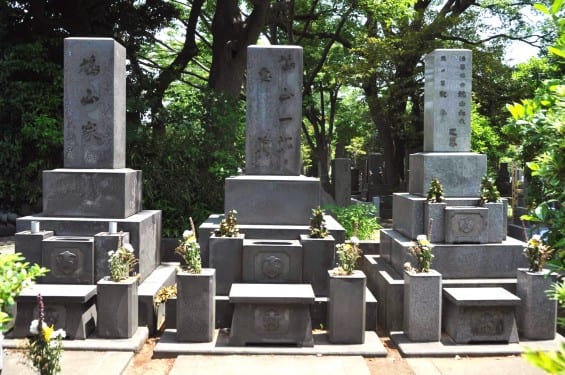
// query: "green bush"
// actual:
[[360, 216]]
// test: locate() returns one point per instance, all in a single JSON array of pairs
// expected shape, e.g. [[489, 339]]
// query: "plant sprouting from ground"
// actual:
[[489, 192], [189, 250], [318, 224], [121, 261], [347, 256], [435, 194], [228, 225]]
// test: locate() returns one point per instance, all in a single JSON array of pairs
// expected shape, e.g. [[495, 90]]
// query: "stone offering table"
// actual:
[[480, 315], [271, 314]]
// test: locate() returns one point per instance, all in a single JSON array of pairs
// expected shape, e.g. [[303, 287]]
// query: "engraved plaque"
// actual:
[[487, 323], [466, 225], [70, 260], [271, 319]]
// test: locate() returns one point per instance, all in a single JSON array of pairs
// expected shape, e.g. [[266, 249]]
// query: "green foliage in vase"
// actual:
[[318, 224], [435, 193], [489, 191], [347, 256], [228, 225], [189, 250], [423, 254]]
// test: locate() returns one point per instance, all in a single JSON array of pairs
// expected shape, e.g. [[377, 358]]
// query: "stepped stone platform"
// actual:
[[168, 346]]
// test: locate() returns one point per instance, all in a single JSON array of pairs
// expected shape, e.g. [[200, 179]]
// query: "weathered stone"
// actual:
[[69, 259], [537, 313], [226, 254], [318, 258], [341, 172], [447, 100], [272, 199], [460, 173], [466, 225], [497, 221], [274, 110], [149, 316], [117, 304], [95, 103], [196, 310], [480, 314], [30, 244], [272, 261], [69, 307], [346, 313], [434, 215], [422, 306], [271, 314], [104, 242], [109, 193], [408, 213]]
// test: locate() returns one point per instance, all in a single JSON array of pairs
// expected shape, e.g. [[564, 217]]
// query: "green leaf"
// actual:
[[542, 8]]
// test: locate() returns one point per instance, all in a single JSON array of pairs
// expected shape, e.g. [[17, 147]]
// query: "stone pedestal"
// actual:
[[341, 172], [272, 261], [422, 306], [117, 304], [196, 310], [537, 313], [69, 259], [319, 257], [497, 221], [226, 254], [346, 312]]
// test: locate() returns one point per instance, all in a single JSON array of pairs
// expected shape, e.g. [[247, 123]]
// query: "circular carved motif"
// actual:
[[271, 320], [67, 262], [466, 225], [272, 266]]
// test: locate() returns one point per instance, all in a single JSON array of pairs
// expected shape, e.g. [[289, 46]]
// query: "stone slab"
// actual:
[[257, 231], [272, 199], [272, 261], [95, 193], [460, 173], [168, 346], [447, 100], [408, 214], [274, 110], [273, 365], [144, 228], [278, 293], [71, 307], [448, 348], [481, 297], [95, 103], [163, 275], [466, 224]]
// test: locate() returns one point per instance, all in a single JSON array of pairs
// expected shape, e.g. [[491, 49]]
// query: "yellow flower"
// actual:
[[48, 332]]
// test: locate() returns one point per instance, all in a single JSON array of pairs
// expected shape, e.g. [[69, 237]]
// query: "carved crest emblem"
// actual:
[[67, 262], [271, 320], [466, 224], [272, 266]]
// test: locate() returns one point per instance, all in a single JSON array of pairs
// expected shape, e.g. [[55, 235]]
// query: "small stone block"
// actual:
[[272, 261], [70, 307], [319, 257], [70, 260], [346, 312], [29, 244], [225, 256], [466, 225], [537, 314], [117, 304], [408, 214], [103, 243], [341, 169], [196, 309], [480, 315], [422, 306], [434, 215]]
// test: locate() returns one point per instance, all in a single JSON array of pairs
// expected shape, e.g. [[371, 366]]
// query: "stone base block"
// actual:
[[319, 257], [272, 199], [226, 254], [196, 310], [117, 304], [69, 259], [480, 315], [460, 173], [422, 306], [537, 314], [29, 244], [272, 261], [144, 229], [99, 193], [271, 314], [408, 214], [275, 232], [70, 307], [346, 312], [460, 261]]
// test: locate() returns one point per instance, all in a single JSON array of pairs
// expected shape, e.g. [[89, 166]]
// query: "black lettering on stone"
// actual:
[[265, 75], [453, 137], [286, 62], [89, 67], [89, 98]]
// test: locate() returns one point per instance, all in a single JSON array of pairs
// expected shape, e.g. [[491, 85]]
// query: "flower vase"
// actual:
[[225, 256], [422, 306], [537, 313], [117, 305], [318, 257], [196, 308], [346, 310]]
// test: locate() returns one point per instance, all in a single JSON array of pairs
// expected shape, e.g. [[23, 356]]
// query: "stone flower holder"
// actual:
[[196, 310], [318, 257], [496, 221], [537, 314], [422, 306], [117, 305], [436, 212], [346, 311], [225, 256]]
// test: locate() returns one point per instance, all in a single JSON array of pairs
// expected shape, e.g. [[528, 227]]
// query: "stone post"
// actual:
[[341, 172]]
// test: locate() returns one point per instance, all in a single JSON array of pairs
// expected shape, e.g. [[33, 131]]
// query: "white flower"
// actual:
[[186, 234], [421, 237], [354, 240], [110, 253], [59, 333], [128, 247], [33, 327]]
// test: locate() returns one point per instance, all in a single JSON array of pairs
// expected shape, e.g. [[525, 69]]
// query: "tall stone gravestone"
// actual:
[[272, 191]]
